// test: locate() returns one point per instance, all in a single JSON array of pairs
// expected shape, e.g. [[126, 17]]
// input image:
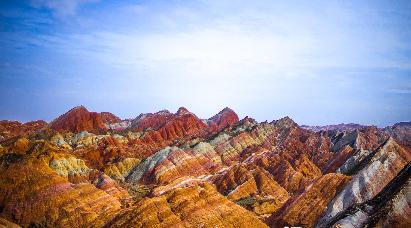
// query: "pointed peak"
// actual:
[[78, 119], [182, 111], [224, 113], [285, 122], [224, 118], [78, 108], [226, 109]]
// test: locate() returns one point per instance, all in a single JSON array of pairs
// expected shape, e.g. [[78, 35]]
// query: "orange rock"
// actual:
[[33, 194], [196, 206], [10, 129], [239, 183], [304, 209]]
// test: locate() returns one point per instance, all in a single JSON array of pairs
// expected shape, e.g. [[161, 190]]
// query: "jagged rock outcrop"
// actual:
[[369, 177], [304, 209], [389, 208], [401, 132]]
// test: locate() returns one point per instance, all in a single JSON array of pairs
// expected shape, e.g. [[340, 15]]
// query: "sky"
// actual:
[[319, 62]]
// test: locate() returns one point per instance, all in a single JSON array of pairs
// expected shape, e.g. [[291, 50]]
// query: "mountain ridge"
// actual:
[[195, 170]]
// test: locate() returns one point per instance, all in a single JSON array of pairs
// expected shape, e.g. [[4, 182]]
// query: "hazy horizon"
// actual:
[[319, 62]]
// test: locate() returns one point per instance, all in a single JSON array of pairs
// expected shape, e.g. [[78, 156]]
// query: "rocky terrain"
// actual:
[[164, 169]]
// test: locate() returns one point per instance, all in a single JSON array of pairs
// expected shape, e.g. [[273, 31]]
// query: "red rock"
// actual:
[[9, 129], [79, 119], [109, 118], [151, 120], [33, 194], [240, 184], [338, 159], [304, 209], [169, 162], [224, 118], [177, 128], [107, 150]]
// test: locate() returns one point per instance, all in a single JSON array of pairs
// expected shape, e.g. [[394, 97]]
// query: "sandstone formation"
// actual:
[[10, 129], [196, 206], [306, 208], [369, 177], [162, 169], [224, 118], [389, 208], [401, 132], [79, 119]]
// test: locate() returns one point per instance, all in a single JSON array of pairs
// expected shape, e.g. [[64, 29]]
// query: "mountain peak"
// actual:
[[222, 119], [78, 119], [79, 108], [226, 109], [286, 121], [182, 111]]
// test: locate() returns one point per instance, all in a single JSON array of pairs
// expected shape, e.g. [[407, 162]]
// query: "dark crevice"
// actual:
[[376, 207]]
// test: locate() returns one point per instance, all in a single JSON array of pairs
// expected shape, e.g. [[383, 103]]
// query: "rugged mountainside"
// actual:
[[80, 119], [401, 132], [174, 169], [341, 127], [10, 129]]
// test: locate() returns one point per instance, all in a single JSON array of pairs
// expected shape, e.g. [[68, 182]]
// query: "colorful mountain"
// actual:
[[164, 169]]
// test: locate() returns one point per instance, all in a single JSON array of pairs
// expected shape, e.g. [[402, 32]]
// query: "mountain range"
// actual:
[[164, 169]]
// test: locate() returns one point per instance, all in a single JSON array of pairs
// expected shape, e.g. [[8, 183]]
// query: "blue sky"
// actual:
[[319, 62]]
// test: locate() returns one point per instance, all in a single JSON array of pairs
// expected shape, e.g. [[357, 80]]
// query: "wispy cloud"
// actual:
[[268, 58], [61, 8]]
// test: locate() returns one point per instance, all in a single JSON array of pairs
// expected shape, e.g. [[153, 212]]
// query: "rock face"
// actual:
[[79, 119], [371, 174], [172, 162], [9, 129], [224, 118], [163, 129], [256, 190], [307, 207], [196, 206], [401, 132], [109, 118], [43, 198], [151, 120], [88, 169], [389, 208]]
